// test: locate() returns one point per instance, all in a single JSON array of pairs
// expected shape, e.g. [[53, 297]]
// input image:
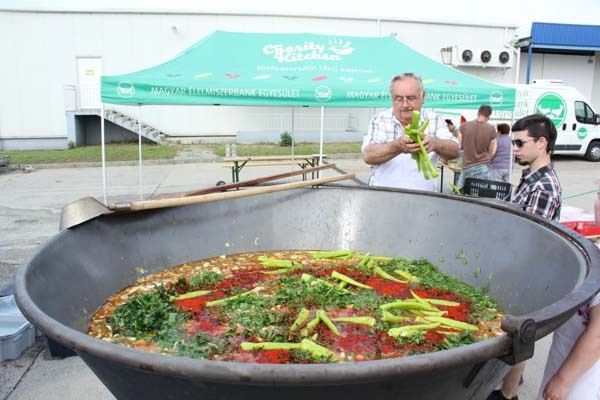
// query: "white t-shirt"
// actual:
[[563, 340], [401, 171]]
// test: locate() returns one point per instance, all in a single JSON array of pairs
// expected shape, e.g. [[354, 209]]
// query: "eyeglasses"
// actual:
[[521, 142], [409, 99]]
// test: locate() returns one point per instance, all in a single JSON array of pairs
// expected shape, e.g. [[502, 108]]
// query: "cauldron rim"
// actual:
[[250, 373]]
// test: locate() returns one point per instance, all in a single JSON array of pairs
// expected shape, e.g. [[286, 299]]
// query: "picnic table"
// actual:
[[302, 160], [4, 161]]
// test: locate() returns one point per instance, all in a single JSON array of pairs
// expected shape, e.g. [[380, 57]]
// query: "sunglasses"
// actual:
[[521, 142]]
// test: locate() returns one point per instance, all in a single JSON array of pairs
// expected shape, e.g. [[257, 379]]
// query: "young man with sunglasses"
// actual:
[[539, 192], [388, 150]]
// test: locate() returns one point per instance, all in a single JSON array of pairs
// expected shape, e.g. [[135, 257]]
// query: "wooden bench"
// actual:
[[302, 160]]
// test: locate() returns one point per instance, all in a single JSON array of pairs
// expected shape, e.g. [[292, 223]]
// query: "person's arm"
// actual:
[[543, 203], [447, 149], [582, 357], [493, 148], [379, 153], [376, 151]]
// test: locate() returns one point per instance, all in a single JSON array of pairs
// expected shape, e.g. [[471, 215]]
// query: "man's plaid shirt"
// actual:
[[540, 193]]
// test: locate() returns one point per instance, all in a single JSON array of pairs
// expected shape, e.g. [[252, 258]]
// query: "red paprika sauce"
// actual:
[[345, 324]]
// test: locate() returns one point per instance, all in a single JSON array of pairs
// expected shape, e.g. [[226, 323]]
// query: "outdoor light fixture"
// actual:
[[504, 57], [446, 53], [486, 56], [590, 60], [467, 55]]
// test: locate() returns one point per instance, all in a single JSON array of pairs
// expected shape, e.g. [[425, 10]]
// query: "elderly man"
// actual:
[[388, 150]]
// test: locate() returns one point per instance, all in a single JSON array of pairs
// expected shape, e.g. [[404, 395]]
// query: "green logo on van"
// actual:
[[582, 133], [552, 106]]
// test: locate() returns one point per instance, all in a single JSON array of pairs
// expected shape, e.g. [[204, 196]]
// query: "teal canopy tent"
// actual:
[[244, 69], [255, 69]]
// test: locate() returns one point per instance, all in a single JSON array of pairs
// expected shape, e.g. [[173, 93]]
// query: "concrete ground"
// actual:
[[30, 206]]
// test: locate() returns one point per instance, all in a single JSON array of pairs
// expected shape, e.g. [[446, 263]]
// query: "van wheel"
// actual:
[[593, 151]]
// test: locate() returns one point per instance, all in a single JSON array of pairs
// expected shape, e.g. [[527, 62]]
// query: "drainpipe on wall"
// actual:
[[529, 59]]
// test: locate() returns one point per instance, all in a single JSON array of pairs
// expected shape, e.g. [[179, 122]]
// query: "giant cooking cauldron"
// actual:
[[538, 271]]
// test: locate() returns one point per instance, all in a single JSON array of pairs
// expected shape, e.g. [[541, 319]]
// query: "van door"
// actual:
[[586, 130]]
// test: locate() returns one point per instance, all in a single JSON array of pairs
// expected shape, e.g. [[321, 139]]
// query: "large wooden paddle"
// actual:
[[88, 208]]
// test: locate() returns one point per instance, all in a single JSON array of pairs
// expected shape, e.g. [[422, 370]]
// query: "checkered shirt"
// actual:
[[540, 193]]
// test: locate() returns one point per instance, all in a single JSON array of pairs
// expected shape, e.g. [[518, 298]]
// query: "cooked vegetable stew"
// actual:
[[298, 307]]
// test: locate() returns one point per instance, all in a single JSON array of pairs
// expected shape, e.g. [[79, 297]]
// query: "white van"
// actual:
[[577, 124]]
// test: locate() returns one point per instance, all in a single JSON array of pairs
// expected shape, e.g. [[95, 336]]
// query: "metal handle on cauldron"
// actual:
[[207, 198], [526, 329], [523, 332]]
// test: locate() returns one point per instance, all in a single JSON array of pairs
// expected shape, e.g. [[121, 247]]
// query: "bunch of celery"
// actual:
[[414, 132]]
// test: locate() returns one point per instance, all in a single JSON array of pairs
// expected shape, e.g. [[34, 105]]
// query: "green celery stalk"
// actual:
[[389, 317], [364, 260], [379, 271], [349, 280], [310, 326], [190, 295], [315, 349], [451, 323], [314, 280], [300, 319], [225, 300], [434, 313], [274, 262], [406, 275], [278, 271], [408, 330], [370, 321], [325, 318], [382, 258], [408, 305], [330, 254], [441, 302], [251, 346]]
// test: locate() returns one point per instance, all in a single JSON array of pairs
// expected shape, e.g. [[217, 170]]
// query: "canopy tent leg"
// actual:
[[511, 161], [321, 140], [103, 150], [293, 134], [140, 147]]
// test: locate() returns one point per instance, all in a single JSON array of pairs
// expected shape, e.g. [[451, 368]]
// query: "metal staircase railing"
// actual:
[[131, 124]]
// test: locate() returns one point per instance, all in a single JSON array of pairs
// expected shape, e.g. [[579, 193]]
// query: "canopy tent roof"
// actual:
[[230, 68]]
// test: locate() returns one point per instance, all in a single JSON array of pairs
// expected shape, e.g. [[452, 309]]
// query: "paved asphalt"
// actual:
[[30, 206]]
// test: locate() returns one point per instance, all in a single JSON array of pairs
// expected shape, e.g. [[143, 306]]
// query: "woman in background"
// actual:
[[501, 161]]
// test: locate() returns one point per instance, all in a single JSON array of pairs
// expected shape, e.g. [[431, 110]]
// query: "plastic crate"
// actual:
[[16, 333], [485, 188]]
